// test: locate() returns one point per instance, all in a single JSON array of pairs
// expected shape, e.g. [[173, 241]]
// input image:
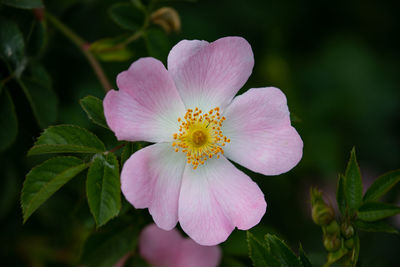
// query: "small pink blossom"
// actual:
[[191, 114], [170, 249]]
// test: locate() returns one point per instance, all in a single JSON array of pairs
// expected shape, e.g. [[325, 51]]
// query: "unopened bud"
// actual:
[[333, 228], [347, 230], [167, 18], [322, 214], [39, 13], [332, 242], [349, 243]]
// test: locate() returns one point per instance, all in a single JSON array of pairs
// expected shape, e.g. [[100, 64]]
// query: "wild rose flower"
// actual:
[[170, 249], [190, 113]]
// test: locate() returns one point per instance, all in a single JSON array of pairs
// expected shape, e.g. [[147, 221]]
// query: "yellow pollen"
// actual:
[[200, 136]]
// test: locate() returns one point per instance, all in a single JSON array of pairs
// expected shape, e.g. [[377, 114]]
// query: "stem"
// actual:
[[82, 45], [117, 147], [6, 80]]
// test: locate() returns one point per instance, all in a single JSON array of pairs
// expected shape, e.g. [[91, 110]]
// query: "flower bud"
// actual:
[[332, 242], [322, 214], [167, 18], [333, 228], [349, 243], [347, 230]]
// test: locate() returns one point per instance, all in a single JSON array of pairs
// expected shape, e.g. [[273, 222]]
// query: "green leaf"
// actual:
[[281, 251], [12, 46], [93, 107], [25, 4], [129, 149], [227, 261], [340, 195], [42, 99], [111, 49], [103, 188], [8, 121], [157, 43], [353, 184], [382, 185], [66, 139], [356, 250], [45, 179], [374, 211], [303, 258], [127, 16], [105, 247], [259, 253], [377, 226], [38, 38]]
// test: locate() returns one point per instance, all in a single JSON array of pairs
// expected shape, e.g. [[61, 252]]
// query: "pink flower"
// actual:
[[170, 249], [191, 114]]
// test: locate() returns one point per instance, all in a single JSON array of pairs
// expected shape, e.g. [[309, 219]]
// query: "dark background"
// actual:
[[336, 61]]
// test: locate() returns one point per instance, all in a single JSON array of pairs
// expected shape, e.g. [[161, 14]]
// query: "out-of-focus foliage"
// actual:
[[357, 213], [337, 63]]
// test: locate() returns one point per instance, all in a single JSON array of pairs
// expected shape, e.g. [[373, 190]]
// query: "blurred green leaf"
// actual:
[[66, 139], [93, 107], [111, 49], [38, 38], [103, 188], [106, 246], [12, 46], [382, 185], [303, 258], [157, 43], [353, 184], [230, 262], [41, 97], [25, 4], [374, 211], [8, 121], [281, 251], [259, 253], [128, 150], [377, 226], [127, 16], [340, 195], [44, 180], [356, 250]]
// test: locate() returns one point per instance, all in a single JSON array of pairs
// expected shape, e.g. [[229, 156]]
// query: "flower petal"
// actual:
[[147, 106], [215, 198], [209, 75], [151, 178], [262, 138], [195, 255], [159, 247]]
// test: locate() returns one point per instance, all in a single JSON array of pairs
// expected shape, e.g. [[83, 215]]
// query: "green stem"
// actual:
[[82, 45]]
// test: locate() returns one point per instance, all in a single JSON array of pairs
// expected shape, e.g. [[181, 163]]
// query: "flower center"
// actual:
[[200, 136]]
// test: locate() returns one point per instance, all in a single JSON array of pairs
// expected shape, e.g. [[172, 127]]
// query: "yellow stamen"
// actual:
[[200, 136]]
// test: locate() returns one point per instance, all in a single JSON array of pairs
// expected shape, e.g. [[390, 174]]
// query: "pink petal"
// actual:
[[209, 75], [147, 106], [195, 255], [151, 178], [262, 138], [159, 247], [169, 249], [215, 198], [121, 262]]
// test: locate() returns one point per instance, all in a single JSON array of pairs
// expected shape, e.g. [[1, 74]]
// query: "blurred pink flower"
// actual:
[[170, 249], [191, 114]]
